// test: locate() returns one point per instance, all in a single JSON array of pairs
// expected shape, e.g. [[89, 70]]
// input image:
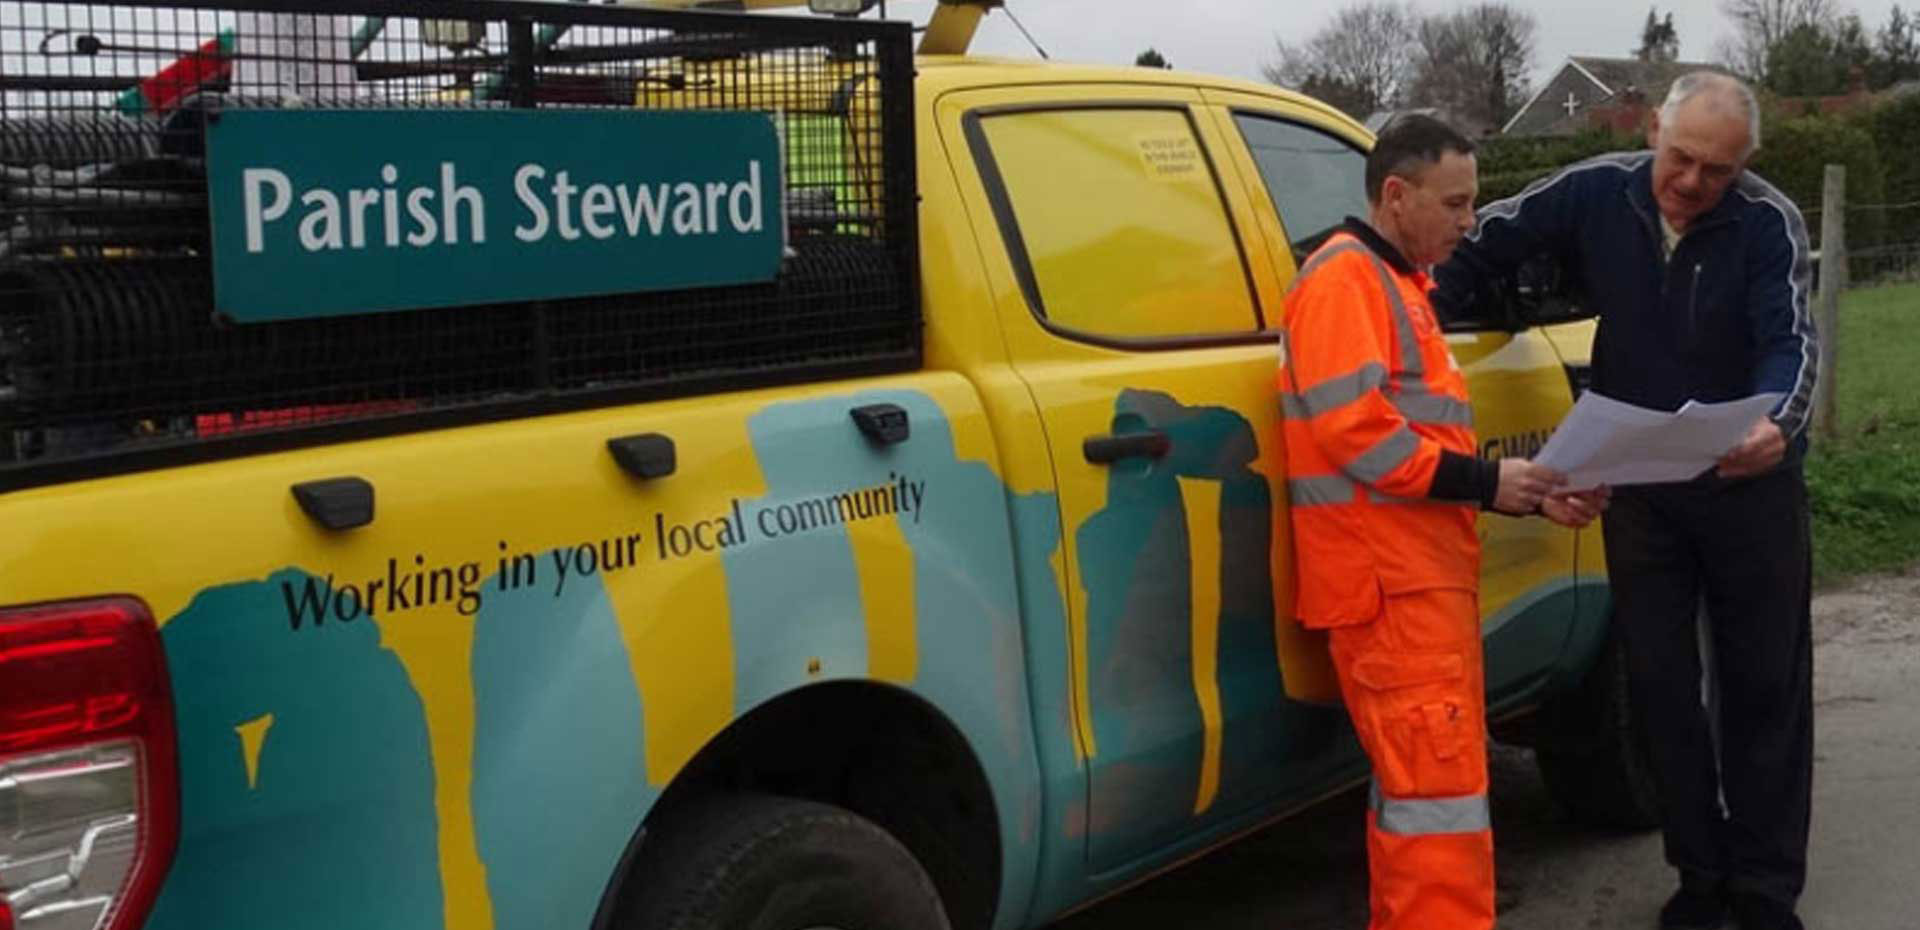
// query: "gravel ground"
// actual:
[[1308, 873]]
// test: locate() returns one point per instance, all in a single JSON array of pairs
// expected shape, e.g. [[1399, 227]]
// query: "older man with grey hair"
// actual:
[[1699, 272]]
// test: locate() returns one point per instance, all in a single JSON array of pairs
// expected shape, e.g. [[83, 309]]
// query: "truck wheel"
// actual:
[[758, 862], [1593, 755]]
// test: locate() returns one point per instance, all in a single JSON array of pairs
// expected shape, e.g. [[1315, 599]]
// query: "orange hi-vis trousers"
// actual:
[[1414, 685]]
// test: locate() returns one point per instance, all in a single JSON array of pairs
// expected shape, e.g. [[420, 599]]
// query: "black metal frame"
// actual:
[[100, 332]]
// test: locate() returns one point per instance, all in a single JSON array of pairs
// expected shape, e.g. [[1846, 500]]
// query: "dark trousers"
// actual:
[[1744, 547]]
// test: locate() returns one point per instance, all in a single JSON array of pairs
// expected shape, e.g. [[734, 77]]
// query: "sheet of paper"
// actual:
[[1604, 441]]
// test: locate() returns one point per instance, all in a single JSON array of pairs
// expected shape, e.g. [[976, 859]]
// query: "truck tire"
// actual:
[[1593, 755], [758, 862]]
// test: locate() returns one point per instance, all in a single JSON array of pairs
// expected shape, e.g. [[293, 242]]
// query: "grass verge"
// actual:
[[1865, 483]]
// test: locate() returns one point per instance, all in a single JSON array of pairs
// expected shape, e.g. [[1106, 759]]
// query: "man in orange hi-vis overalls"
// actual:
[[1384, 489]]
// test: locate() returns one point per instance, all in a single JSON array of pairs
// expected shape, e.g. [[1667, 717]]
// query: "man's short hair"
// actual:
[[1731, 91], [1406, 146]]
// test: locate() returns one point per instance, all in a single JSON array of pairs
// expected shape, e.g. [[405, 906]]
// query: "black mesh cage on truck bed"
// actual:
[[230, 227]]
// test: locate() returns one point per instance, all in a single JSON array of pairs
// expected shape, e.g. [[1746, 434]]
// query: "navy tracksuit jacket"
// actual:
[[1724, 317]]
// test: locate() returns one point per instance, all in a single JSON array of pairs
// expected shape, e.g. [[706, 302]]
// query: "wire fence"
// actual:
[[1882, 242], [1866, 245]]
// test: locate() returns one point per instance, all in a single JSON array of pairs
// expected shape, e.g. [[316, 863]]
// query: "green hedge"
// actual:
[[1507, 154], [1794, 157], [1896, 129], [1509, 163], [1508, 183]]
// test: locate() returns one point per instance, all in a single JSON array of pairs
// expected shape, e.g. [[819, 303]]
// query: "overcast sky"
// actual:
[[1236, 37]]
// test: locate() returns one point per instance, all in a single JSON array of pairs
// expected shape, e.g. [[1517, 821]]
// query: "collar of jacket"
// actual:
[[1372, 239], [1640, 194]]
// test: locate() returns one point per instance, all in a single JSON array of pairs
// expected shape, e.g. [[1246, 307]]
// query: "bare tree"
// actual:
[[1472, 63], [1359, 62], [1760, 25], [1897, 55]]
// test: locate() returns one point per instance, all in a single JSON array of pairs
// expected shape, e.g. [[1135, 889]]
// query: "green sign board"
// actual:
[[331, 212]]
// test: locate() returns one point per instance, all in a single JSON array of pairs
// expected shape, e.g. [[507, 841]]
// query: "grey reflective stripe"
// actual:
[[1333, 393], [1430, 816], [1793, 412], [1411, 365], [1386, 455], [1327, 252], [1433, 409], [1509, 209], [1320, 491]]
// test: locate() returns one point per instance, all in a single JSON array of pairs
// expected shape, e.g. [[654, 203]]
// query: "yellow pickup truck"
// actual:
[[556, 466]]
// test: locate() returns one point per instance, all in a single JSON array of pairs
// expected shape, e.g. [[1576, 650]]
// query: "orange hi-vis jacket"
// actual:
[[1371, 400]]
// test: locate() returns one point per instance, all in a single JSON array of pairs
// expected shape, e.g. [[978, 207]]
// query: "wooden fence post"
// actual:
[[1833, 280]]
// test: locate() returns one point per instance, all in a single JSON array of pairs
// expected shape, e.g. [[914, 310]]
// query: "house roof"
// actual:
[[1650, 78], [1610, 79]]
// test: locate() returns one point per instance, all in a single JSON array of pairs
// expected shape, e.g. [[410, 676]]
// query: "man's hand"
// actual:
[[1523, 485], [1763, 448], [1576, 509]]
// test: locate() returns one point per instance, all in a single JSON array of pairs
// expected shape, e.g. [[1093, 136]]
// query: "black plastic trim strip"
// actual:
[[883, 424], [647, 456], [337, 504]]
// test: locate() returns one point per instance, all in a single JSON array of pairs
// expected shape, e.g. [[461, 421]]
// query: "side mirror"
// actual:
[[841, 7]]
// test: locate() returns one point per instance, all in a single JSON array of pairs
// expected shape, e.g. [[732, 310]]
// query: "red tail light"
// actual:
[[89, 785]]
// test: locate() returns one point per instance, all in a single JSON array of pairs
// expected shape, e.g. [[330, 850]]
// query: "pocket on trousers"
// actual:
[[1426, 739]]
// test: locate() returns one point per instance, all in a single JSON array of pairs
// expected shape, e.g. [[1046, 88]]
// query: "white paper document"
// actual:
[[1605, 441]]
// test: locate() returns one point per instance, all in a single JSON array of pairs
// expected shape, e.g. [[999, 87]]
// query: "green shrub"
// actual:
[[1508, 183], [1896, 129], [1794, 155], [1504, 154], [1509, 163]]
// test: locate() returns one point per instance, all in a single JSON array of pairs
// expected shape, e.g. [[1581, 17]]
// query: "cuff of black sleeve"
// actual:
[[1465, 478]]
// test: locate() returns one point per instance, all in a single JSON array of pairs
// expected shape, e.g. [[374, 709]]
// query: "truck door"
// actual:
[[1308, 168], [1140, 328]]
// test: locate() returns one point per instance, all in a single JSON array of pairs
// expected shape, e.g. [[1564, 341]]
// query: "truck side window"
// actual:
[[1119, 223], [1315, 179]]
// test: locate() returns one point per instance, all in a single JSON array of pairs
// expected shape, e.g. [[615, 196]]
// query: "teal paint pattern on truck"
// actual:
[[338, 828], [798, 599], [1050, 682], [1525, 641], [1136, 569], [559, 775]]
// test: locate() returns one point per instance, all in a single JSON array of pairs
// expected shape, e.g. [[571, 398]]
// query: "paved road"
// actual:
[[1308, 873]]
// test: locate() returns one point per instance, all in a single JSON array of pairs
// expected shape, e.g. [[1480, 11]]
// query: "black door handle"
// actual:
[[1108, 449]]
